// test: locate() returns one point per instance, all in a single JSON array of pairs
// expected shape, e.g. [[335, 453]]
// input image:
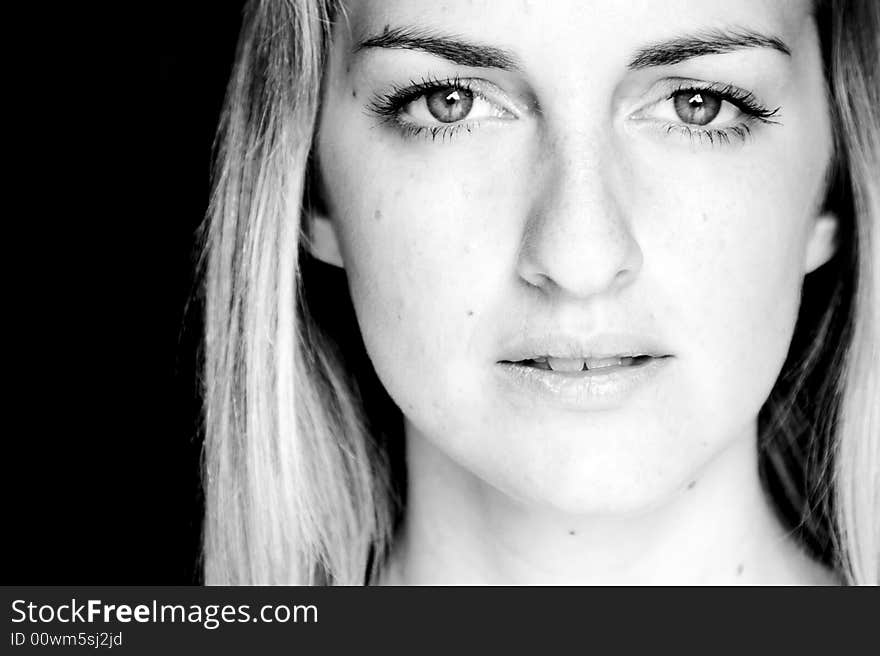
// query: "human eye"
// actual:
[[708, 112], [441, 108]]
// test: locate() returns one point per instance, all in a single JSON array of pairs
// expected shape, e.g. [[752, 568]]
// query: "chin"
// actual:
[[630, 475], [602, 497]]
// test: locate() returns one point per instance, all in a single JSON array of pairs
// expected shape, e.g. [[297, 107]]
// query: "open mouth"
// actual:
[[574, 365]]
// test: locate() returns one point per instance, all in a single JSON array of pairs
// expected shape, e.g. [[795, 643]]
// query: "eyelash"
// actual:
[[387, 107], [745, 101]]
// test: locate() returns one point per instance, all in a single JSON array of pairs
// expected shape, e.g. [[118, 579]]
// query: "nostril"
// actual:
[[623, 276], [578, 255], [537, 280]]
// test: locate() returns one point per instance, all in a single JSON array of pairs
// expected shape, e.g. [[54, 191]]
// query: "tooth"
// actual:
[[598, 363], [565, 364]]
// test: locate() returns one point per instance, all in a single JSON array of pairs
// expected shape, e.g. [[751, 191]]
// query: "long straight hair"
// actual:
[[294, 487], [855, 78], [300, 486]]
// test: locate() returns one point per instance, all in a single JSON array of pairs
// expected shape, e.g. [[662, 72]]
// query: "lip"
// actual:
[[583, 391], [565, 345], [603, 388]]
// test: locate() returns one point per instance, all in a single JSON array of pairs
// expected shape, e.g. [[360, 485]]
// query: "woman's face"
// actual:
[[631, 187]]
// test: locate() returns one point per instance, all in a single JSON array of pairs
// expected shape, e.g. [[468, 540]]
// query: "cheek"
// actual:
[[727, 268], [426, 253]]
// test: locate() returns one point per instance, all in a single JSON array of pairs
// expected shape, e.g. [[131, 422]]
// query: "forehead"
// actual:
[[577, 28]]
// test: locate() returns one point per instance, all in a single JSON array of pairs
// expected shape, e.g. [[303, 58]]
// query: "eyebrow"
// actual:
[[710, 42], [665, 53], [449, 47]]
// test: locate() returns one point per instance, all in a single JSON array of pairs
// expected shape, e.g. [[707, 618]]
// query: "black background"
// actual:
[[102, 439]]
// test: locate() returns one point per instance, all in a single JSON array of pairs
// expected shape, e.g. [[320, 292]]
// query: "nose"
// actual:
[[577, 240]]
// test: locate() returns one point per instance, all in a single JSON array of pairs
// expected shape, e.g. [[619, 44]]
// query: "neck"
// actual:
[[717, 529]]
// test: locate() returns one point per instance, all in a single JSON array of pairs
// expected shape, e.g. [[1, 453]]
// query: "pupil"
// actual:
[[697, 107], [450, 104]]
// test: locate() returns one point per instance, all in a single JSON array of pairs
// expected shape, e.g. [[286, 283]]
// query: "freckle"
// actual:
[[739, 569], [387, 28], [571, 532], [470, 313], [705, 217], [377, 215], [691, 485], [354, 93]]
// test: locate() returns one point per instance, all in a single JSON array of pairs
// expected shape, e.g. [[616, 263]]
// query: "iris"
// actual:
[[450, 104], [697, 108]]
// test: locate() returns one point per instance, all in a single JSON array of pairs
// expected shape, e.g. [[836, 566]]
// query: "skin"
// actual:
[[580, 213]]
